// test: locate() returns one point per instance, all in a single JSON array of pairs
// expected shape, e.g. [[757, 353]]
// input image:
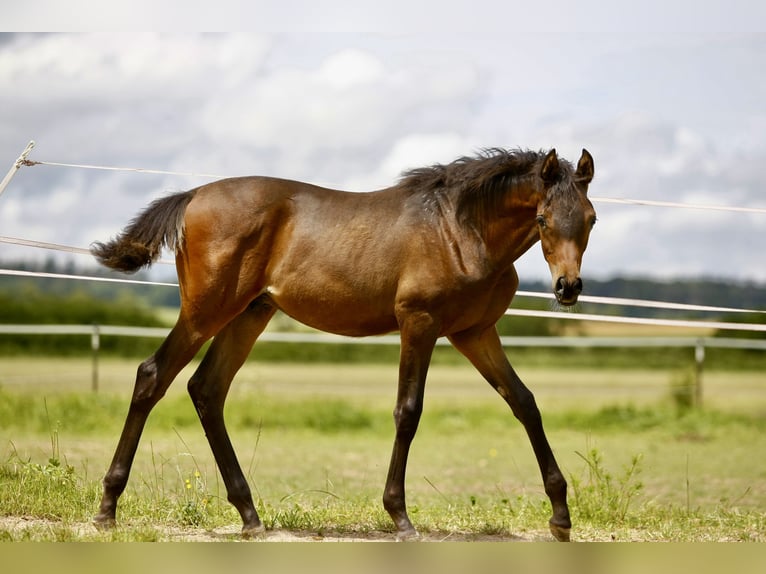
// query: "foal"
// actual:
[[430, 257]]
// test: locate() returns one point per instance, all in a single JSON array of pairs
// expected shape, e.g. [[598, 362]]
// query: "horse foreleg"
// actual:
[[208, 388], [485, 352], [417, 343], [152, 380]]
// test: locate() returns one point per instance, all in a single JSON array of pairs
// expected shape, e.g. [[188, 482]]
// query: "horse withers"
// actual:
[[432, 256]]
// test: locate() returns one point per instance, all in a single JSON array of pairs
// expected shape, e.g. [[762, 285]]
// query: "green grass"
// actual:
[[303, 481], [314, 442]]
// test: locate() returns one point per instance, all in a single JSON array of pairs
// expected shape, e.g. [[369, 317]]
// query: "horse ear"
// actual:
[[585, 168], [550, 170]]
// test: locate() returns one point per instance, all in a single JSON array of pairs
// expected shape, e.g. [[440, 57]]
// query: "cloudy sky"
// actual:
[[669, 97]]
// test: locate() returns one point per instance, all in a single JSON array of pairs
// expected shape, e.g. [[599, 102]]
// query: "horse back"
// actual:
[[338, 261]]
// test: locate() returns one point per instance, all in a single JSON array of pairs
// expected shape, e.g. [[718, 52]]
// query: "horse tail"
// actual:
[[140, 244]]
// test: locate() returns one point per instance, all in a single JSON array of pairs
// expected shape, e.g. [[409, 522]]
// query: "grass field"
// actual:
[[315, 441]]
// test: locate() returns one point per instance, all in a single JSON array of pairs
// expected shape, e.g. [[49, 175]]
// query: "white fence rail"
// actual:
[[293, 337], [699, 344]]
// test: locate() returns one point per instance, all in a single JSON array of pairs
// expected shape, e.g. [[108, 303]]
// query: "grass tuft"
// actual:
[[599, 496]]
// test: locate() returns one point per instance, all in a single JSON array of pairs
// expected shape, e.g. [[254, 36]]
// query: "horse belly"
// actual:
[[336, 310]]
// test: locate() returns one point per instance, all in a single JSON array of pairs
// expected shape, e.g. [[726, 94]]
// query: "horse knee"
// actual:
[[407, 417], [147, 390]]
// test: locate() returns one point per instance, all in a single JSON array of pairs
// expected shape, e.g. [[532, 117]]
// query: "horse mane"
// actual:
[[479, 183]]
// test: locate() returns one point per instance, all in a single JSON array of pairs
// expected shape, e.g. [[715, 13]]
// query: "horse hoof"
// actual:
[[250, 532], [104, 522], [560, 533], [409, 535]]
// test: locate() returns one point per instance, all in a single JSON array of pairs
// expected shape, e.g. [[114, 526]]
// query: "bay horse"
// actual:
[[432, 256]]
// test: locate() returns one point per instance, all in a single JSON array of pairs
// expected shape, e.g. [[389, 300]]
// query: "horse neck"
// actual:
[[513, 229]]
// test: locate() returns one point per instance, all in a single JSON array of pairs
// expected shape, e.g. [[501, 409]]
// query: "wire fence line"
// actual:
[[623, 302], [619, 301], [730, 326], [46, 275], [595, 199], [699, 344]]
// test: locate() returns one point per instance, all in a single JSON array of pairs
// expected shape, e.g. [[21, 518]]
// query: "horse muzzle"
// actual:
[[567, 291]]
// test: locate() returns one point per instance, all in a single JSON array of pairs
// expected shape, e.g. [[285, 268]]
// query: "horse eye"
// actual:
[[593, 222], [541, 221]]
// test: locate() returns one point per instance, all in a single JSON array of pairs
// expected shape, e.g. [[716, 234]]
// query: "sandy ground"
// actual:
[[44, 529], [18, 524]]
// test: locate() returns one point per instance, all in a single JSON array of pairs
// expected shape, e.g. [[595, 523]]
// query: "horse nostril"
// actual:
[[565, 289]]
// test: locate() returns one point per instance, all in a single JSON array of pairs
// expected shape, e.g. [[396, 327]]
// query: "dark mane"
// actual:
[[478, 183]]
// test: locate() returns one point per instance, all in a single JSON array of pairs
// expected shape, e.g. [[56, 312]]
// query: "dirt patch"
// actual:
[[22, 527]]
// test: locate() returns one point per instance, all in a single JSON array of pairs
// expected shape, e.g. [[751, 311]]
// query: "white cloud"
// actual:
[[411, 151], [123, 95], [350, 68], [355, 111], [336, 120]]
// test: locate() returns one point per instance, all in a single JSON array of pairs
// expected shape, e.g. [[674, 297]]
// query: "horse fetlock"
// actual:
[[404, 528], [238, 494], [114, 484], [556, 487]]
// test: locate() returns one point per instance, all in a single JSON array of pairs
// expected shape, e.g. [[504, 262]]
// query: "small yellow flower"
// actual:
[[493, 452], [188, 484], [197, 474]]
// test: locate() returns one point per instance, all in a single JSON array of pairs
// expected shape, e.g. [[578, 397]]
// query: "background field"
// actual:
[[315, 439]]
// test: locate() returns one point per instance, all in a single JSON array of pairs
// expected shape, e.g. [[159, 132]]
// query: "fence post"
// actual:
[[699, 360], [95, 344], [15, 167]]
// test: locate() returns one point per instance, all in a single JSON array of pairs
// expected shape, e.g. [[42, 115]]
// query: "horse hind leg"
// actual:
[[208, 389], [152, 380]]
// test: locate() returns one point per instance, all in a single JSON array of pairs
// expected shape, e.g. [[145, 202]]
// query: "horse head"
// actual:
[[565, 217]]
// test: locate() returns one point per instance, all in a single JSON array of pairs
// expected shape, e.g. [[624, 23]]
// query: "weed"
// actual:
[[601, 497], [193, 503], [46, 489], [51, 489]]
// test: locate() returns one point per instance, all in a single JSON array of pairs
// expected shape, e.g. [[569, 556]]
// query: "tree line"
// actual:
[[33, 300], [719, 292]]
